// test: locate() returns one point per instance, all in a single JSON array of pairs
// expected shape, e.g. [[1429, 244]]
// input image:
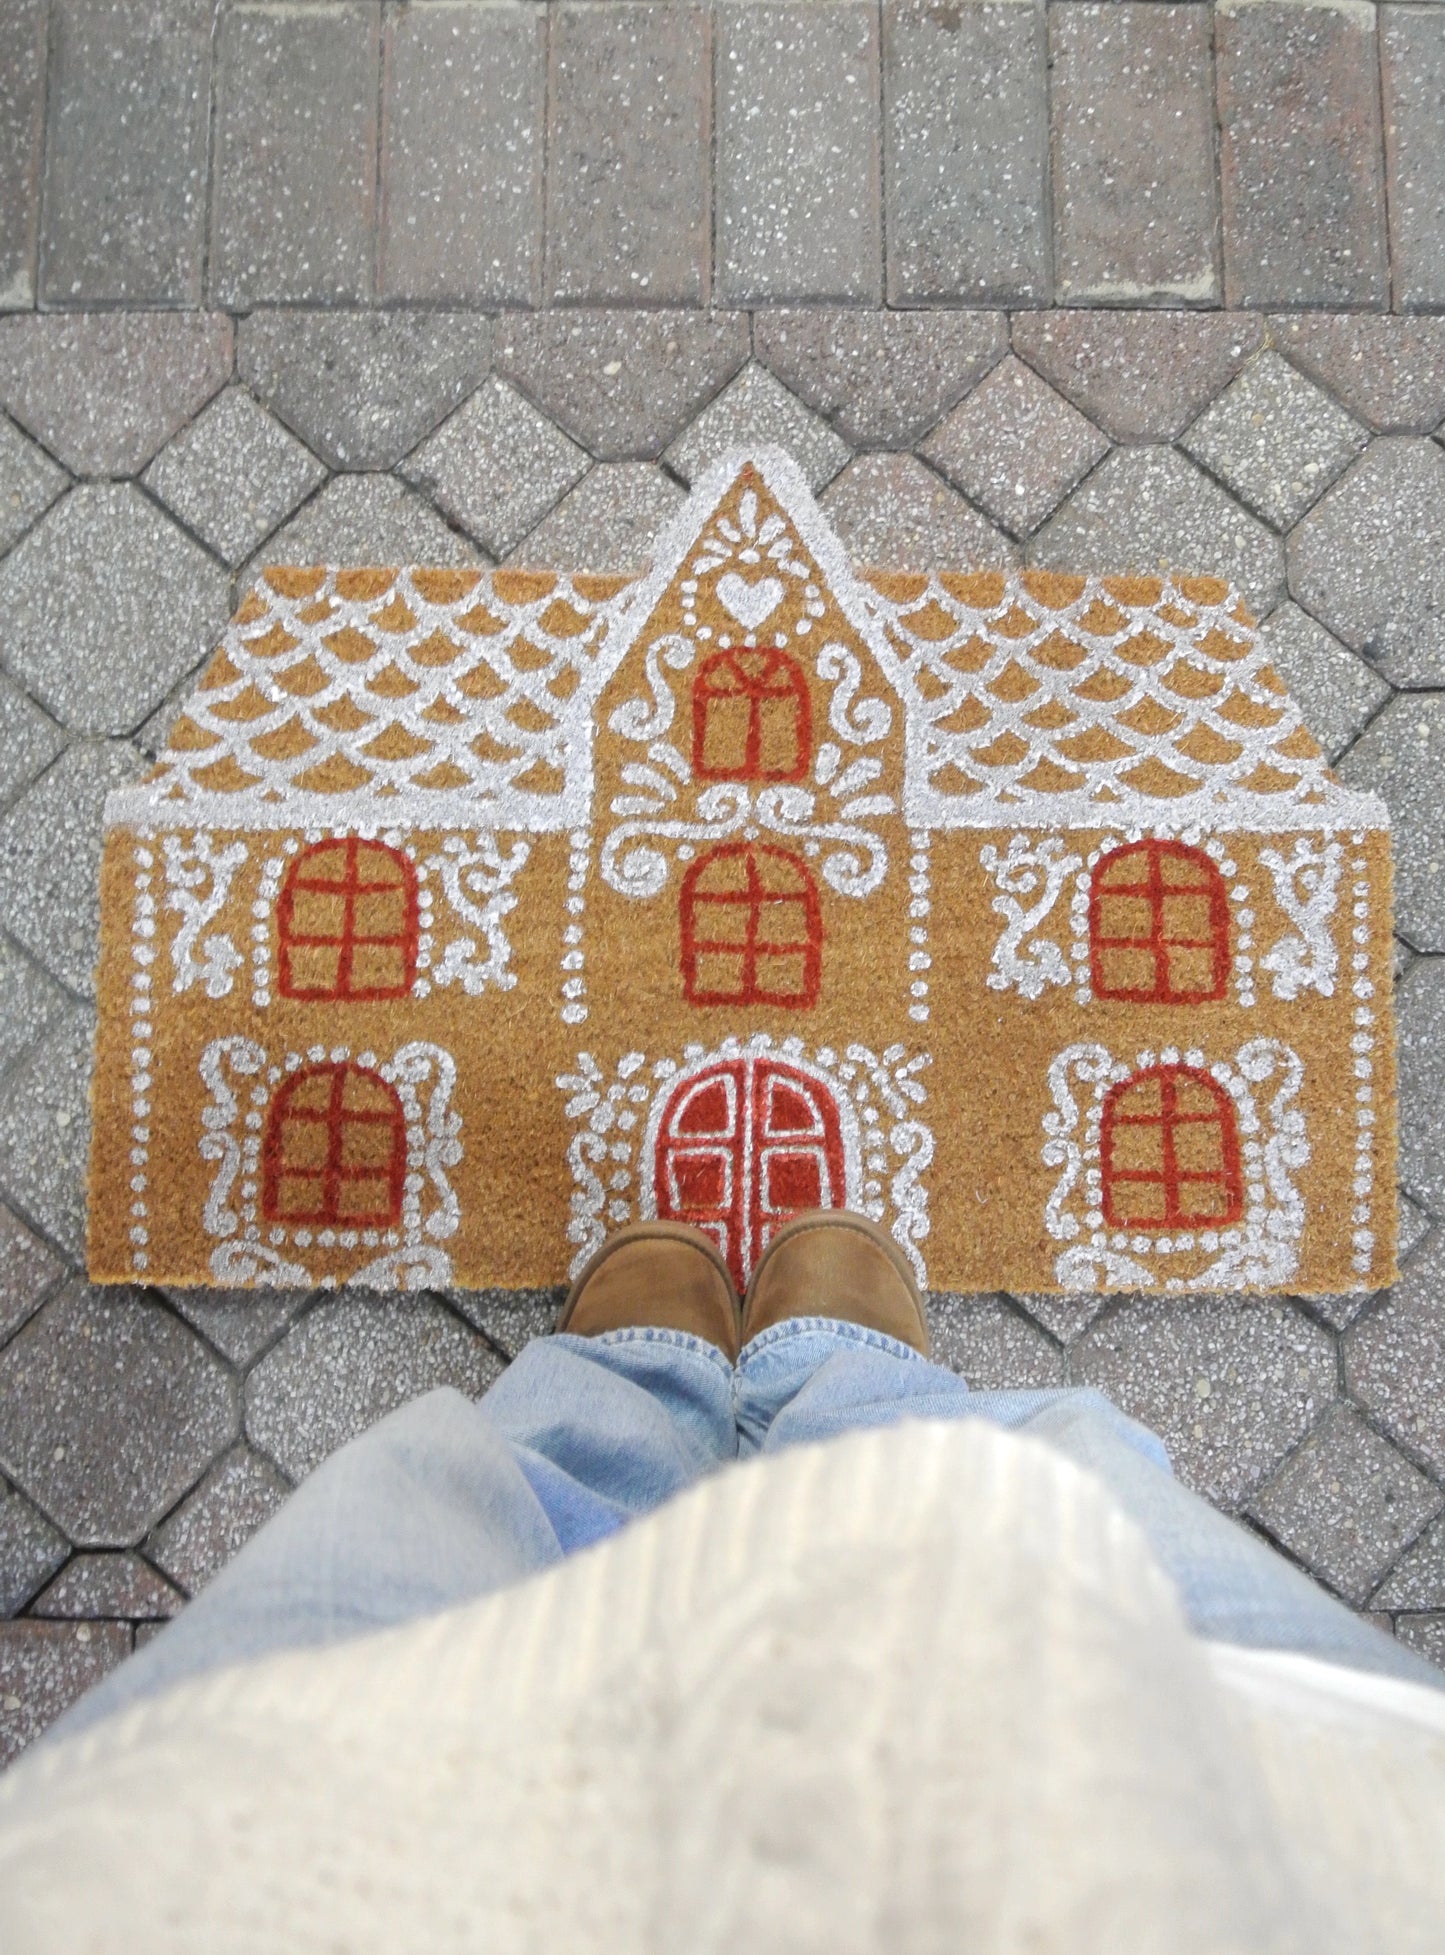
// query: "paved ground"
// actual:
[[1097, 286]]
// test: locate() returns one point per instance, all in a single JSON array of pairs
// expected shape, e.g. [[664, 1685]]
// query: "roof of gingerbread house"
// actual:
[[466, 698]]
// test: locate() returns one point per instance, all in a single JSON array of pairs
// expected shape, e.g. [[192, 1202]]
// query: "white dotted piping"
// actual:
[[574, 954], [1362, 1048], [142, 1051], [920, 903]]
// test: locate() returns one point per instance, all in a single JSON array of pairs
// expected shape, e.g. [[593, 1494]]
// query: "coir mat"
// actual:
[[470, 915]]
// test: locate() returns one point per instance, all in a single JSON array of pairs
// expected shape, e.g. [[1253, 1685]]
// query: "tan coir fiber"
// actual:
[[470, 915]]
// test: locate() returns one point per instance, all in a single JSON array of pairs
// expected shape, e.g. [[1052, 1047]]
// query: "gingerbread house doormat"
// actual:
[[469, 915]]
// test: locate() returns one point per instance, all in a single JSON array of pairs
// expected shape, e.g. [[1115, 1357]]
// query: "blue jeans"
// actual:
[[449, 1499]]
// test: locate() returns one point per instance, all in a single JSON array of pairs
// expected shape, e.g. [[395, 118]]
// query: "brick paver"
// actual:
[[1412, 61], [1136, 211], [799, 195], [451, 421], [125, 165]]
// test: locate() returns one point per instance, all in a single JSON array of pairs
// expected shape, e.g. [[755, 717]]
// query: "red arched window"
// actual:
[[1169, 1146], [335, 1150], [1158, 925], [752, 718], [743, 1146], [752, 928], [346, 922]]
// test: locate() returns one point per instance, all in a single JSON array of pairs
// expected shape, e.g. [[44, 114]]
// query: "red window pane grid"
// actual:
[[334, 1153], [752, 717], [1169, 1151], [347, 924], [1158, 925], [752, 929]]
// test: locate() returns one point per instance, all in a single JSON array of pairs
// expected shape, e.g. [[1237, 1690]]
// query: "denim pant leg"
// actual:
[[447, 1499], [812, 1377]]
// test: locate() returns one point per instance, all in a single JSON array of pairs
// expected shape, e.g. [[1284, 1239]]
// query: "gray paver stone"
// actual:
[[22, 103], [239, 1494], [1395, 1358], [496, 466], [1067, 1317], [1402, 756], [891, 510], [240, 1323], [105, 390], [991, 1345], [1346, 1503], [1300, 156], [293, 188], [348, 1362], [105, 605], [234, 474], [1425, 1633], [1412, 64], [758, 408], [798, 195], [362, 388], [1230, 1384], [1275, 439], [1420, 1026], [1336, 691], [125, 196], [29, 1271], [29, 1002], [1149, 509], [882, 378], [1417, 1580], [461, 154], [1132, 106], [966, 149], [621, 382], [120, 1586], [110, 1408], [44, 1667], [29, 483], [1141, 376], [50, 858], [510, 1318], [608, 522], [1015, 446], [1388, 370], [29, 740], [365, 519], [30, 1550], [629, 106], [1369, 559], [1414, 1225], [45, 1131]]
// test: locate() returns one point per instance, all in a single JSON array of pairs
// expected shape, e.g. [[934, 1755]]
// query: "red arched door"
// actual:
[[743, 1145]]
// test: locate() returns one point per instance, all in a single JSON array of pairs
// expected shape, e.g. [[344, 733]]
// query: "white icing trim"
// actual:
[[1363, 1042], [142, 1006], [1021, 961], [188, 870], [1305, 886]]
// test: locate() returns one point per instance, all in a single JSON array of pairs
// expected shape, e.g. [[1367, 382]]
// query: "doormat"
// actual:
[[469, 915]]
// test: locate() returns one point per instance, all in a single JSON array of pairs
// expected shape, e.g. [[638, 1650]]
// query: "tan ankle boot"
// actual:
[[832, 1263], [656, 1273]]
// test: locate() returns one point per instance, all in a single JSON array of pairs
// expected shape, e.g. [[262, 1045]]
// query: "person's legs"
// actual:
[[446, 1500]]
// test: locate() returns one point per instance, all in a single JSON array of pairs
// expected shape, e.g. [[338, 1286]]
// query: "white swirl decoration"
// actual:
[[632, 867], [859, 721], [641, 719]]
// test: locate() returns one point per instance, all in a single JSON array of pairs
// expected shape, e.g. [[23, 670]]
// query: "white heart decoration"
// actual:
[[749, 603]]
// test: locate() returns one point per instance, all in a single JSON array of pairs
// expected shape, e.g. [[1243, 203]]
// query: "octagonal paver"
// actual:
[[45, 1130], [106, 605], [610, 521], [510, 1319], [349, 1361], [1369, 559], [1275, 439], [29, 483], [894, 511], [30, 1550], [29, 1001], [29, 1271], [1395, 1357], [1402, 757], [1228, 1383], [1149, 509], [757, 408], [118, 1585], [363, 388], [1015, 446], [1142, 376], [29, 739], [990, 1344], [50, 858], [239, 1494], [1418, 1578], [234, 474], [110, 1408], [1336, 690], [1346, 1503], [240, 1323], [364, 519], [882, 378], [1420, 1022], [44, 1667], [497, 466]]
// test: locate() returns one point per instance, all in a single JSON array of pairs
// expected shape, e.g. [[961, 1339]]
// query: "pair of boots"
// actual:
[[829, 1263]]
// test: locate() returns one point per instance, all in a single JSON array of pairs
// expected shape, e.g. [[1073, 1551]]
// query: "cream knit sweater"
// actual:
[[920, 1691]]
